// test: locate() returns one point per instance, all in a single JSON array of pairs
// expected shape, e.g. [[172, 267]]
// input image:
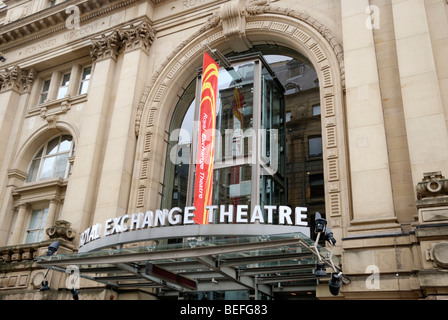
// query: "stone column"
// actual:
[[116, 174], [422, 101], [82, 189], [15, 85], [49, 222], [373, 205], [17, 234]]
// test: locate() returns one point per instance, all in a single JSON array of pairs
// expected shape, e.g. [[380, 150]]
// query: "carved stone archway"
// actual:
[[238, 26]]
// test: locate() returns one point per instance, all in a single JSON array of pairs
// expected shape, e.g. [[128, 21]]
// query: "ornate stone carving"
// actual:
[[130, 37], [140, 36], [440, 254], [233, 19], [16, 79], [432, 185], [61, 229], [105, 47], [254, 7]]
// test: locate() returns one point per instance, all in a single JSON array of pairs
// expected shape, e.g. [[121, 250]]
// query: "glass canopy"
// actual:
[[262, 265]]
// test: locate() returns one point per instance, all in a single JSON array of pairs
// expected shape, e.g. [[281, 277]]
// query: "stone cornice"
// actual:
[[51, 20]]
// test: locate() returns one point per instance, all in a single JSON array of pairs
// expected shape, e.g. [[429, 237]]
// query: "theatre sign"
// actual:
[[223, 220]]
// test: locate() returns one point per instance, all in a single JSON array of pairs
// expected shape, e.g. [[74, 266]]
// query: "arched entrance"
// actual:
[[238, 29]]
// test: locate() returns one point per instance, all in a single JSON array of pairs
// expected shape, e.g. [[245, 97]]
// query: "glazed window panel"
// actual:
[[36, 226], [315, 146], [51, 161], [47, 168], [254, 110], [234, 114], [61, 163], [44, 91], [249, 140], [34, 168], [272, 124], [63, 89], [85, 79]]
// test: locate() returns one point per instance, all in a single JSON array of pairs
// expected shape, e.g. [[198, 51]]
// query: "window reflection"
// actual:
[[51, 161], [289, 160]]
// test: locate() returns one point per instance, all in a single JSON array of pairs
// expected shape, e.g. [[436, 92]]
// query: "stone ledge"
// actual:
[[433, 279], [433, 232], [28, 252]]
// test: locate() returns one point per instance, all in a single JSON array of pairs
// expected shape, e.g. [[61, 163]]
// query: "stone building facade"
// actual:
[[88, 94]]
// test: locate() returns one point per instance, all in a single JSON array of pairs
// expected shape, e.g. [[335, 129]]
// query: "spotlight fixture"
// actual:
[[75, 294], [320, 223], [320, 270], [335, 283], [53, 248], [329, 236], [2, 58], [44, 286]]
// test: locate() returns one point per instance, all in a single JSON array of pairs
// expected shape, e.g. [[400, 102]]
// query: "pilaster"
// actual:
[[17, 235], [15, 86], [373, 206], [116, 174], [82, 189], [51, 215], [422, 100]]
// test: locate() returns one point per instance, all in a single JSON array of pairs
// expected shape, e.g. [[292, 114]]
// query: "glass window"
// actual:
[[240, 176], [316, 185], [315, 146], [253, 110], [85, 79], [234, 114], [44, 91], [36, 227], [63, 89], [51, 161]]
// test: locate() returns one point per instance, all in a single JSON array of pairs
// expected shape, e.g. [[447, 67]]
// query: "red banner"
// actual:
[[203, 187]]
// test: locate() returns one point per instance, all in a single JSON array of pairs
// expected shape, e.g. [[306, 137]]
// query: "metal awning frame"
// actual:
[[262, 264]]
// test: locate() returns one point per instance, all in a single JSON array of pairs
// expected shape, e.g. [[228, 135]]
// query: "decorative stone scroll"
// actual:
[[17, 79], [129, 37], [432, 198], [61, 229], [432, 185]]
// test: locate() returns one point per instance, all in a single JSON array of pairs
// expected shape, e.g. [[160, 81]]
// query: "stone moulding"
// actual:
[[37, 26]]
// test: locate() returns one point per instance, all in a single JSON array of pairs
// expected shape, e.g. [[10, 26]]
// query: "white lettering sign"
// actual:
[[221, 214]]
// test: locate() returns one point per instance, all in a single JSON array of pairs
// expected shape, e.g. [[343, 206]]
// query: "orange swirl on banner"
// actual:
[[203, 188]]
